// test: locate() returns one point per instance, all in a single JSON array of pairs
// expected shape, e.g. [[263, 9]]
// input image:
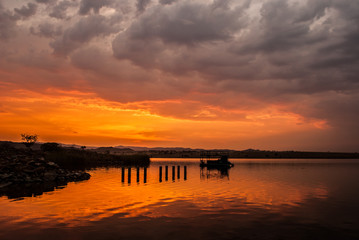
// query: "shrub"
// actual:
[[28, 140]]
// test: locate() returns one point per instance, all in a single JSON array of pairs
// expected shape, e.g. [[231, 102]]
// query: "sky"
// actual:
[[261, 74]]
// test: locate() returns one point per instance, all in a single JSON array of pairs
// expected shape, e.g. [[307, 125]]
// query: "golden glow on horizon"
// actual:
[[84, 118]]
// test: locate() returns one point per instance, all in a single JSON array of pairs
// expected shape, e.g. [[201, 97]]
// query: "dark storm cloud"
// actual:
[[297, 42], [46, 1], [164, 2], [60, 10], [7, 23], [82, 32], [27, 10], [87, 5], [346, 49], [187, 24], [142, 4], [47, 30], [176, 29], [295, 48], [284, 27]]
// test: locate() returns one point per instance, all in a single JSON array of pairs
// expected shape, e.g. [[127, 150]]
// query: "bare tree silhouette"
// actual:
[[28, 140]]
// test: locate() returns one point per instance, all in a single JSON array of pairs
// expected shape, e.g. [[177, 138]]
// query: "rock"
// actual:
[[20, 169], [5, 184], [52, 164], [29, 171], [50, 176], [39, 169], [32, 163], [5, 176]]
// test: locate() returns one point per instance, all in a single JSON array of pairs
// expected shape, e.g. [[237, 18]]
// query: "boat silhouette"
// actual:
[[221, 162]]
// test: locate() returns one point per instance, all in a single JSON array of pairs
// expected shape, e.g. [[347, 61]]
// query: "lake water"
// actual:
[[256, 199]]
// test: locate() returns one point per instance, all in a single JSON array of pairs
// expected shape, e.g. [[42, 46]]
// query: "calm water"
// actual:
[[256, 199]]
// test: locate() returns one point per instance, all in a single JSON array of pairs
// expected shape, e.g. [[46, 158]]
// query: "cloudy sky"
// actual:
[[263, 74]]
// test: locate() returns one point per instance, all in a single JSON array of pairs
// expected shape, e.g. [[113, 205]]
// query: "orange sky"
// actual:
[[84, 118]]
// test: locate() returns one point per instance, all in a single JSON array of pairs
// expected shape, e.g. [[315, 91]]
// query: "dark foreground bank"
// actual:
[[25, 172]]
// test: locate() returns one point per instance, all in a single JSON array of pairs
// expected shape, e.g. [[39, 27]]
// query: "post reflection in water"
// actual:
[[214, 172]]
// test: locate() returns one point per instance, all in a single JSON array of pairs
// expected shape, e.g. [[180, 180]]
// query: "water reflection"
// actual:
[[19, 191], [214, 172], [179, 196]]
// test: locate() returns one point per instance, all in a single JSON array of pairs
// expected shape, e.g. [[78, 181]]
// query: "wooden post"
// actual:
[[129, 175], [166, 173], [185, 172], [123, 174], [144, 175], [178, 172], [173, 173], [160, 173], [138, 174]]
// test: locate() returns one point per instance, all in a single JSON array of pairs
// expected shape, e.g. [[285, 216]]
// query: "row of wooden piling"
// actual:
[[129, 170], [137, 175], [173, 173]]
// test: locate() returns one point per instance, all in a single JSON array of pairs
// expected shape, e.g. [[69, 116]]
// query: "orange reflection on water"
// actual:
[[104, 195]]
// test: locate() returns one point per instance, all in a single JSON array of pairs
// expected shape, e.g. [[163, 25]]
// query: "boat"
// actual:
[[221, 162]]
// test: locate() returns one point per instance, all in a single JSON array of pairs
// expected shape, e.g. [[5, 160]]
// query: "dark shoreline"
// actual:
[[28, 172], [123, 154]]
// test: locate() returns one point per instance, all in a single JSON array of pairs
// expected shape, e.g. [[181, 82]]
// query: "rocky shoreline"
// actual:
[[26, 168]]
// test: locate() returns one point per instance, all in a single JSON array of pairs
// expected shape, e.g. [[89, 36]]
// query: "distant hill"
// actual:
[[179, 152], [179, 149], [114, 150]]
